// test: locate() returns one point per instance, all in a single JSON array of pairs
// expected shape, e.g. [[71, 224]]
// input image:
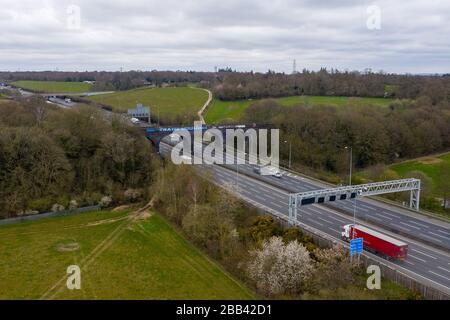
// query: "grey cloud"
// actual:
[[243, 34]]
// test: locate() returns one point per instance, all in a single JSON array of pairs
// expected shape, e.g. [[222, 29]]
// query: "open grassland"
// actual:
[[54, 86], [167, 103], [119, 257], [232, 110], [431, 166]]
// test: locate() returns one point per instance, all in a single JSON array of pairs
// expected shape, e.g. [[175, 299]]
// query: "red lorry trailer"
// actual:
[[377, 242]]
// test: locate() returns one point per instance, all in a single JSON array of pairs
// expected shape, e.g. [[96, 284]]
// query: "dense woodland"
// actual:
[[52, 156], [332, 83], [378, 135]]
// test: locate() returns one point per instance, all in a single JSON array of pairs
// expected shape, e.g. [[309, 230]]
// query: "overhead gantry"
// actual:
[[351, 192]]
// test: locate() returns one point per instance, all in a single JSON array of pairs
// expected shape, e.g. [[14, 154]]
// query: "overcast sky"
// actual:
[[394, 36]]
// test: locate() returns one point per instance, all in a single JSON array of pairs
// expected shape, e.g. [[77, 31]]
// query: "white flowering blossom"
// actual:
[[278, 268]]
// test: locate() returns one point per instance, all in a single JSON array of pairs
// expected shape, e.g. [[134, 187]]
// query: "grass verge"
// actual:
[[54, 86], [230, 111], [119, 258]]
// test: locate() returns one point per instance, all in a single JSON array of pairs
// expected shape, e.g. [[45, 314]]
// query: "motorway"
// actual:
[[395, 219], [61, 102], [424, 262]]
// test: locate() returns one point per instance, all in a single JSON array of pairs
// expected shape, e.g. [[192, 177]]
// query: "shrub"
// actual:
[[57, 207], [280, 268], [41, 205], [105, 201], [73, 204]]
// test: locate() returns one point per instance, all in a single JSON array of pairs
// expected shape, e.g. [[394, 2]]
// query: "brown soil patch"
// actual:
[[430, 160], [120, 208], [68, 247], [141, 215], [96, 223]]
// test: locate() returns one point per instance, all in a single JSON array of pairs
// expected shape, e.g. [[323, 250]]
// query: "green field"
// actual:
[[232, 110], [433, 167], [165, 102], [120, 258], [54, 86]]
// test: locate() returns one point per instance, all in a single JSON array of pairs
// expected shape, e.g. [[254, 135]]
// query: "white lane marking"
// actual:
[[443, 231], [277, 205], [324, 220], [396, 226], [404, 223], [383, 216], [334, 230], [419, 224], [277, 196], [313, 221], [220, 174], [423, 253], [389, 214], [413, 264], [439, 275], [259, 197], [417, 258], [446, 270], [364, 206], [271, 196], [328, 216], [434, 239], [339, 220], [438, 235]]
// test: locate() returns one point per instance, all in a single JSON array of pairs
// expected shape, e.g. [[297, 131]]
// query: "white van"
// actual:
[[268, 171]]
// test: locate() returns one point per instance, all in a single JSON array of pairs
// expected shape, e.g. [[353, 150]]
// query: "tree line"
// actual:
[[105, 81], [231, 85]]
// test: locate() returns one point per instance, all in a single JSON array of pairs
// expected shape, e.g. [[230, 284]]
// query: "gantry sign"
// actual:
[[351, 192]]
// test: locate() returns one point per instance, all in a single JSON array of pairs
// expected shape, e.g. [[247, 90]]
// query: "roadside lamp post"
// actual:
[[237, 174], [290, 153], [351, 164]]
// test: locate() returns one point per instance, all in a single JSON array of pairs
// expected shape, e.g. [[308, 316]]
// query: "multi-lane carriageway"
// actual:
[[426, 262]]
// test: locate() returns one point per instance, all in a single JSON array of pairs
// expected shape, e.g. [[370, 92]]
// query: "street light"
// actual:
[[290, 152], [359, 192], [351, 164]]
